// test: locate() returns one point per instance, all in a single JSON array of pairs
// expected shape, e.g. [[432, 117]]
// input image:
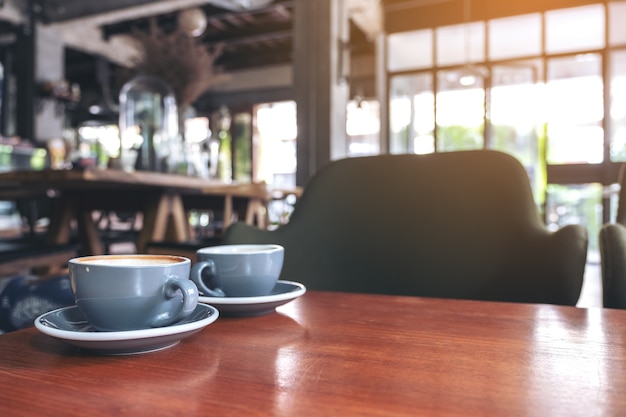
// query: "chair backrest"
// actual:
[[455, 225], [612, 245]]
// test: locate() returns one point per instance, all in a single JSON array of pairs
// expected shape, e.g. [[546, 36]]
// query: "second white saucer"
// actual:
[[283, 292]]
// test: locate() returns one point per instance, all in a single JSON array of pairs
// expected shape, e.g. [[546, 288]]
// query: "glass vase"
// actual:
[[149, 126]]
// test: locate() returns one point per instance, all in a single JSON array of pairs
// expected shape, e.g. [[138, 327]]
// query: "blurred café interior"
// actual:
[[269, 91]]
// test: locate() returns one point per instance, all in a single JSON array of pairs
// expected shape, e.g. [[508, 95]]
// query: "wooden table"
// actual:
[[162, 198], [334, 354]]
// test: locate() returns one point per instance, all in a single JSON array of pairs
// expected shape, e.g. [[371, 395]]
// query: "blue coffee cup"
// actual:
[[237, 270], [131, 292]]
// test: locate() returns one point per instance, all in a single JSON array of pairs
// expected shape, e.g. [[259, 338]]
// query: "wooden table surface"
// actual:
[[334, 354], [160, 197]]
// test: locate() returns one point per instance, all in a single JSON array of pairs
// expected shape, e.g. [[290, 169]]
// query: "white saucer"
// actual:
[[283, 292], [69, 325]]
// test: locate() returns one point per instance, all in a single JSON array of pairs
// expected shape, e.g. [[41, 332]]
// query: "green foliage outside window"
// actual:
[[242, 148], [455, 138]]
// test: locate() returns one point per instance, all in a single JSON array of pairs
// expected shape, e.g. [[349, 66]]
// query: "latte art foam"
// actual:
[[131, 260]]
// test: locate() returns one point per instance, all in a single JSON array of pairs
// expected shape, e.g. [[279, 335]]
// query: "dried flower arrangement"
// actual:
[[182, 61]]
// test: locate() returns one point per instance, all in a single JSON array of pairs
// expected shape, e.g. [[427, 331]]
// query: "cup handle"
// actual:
[[211, 276], [190, 300]]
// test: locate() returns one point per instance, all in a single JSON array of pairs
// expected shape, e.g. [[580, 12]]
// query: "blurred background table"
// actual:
[[162, 199]]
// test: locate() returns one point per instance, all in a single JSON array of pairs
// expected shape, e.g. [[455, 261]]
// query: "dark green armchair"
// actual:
[[454, 225]]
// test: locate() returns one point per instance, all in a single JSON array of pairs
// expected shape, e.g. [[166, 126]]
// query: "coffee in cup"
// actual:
[[237, 270], [131, 292]]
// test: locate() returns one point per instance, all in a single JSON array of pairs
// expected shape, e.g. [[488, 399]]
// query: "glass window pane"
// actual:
[[575, 29], [363, 127], [515, 36], [412, 114], [576, 204], [275, 143], [574, 109], [460, 109], [410, 50], [515, 118], [618, 106], [617, 28], [461, 44]]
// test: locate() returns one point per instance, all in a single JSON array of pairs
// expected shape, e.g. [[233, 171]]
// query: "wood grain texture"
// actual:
[[333, 354]]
